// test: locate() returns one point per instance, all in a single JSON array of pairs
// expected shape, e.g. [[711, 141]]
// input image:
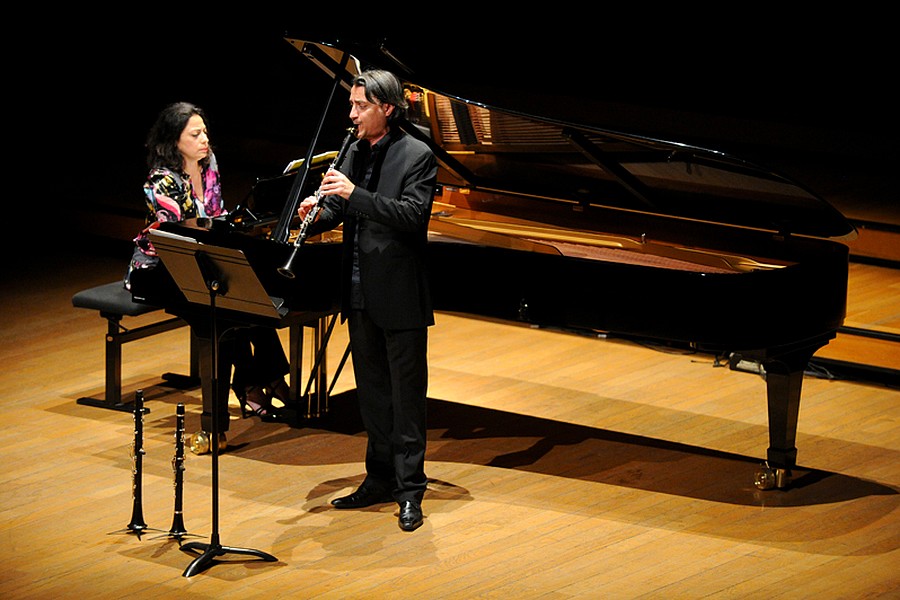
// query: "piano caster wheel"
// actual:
[[200, 442], [767, 478]]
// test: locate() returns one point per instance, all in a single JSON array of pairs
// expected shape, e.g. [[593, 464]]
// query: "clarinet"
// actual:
[[137, 524], [286, 270], [178, 530]]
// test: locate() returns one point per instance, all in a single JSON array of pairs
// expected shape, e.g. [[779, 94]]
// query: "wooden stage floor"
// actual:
[[560, 466]]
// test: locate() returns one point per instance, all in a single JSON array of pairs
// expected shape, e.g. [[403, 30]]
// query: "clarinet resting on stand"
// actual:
[[286, 270], [137, 524], [178, 531]]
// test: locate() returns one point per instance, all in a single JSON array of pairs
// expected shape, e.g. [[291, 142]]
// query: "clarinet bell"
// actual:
[[200, 442], [287, 269]]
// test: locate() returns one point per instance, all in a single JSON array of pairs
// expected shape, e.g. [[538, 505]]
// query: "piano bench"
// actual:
[[114, 303]]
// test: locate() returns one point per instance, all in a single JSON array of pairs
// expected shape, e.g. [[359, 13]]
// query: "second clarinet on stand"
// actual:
[[178, 531]]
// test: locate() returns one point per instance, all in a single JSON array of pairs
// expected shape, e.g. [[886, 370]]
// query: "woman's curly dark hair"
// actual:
[[162, 141]]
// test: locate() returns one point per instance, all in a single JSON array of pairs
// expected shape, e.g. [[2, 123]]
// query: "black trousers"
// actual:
[[257, 355], [391, 370]]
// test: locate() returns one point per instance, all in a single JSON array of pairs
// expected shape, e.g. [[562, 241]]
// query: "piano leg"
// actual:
[[295, 358], [784, 380], [200, 441], [219, 397], [784, 409]]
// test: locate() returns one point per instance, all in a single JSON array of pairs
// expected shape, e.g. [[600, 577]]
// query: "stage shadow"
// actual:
[[579, 470], [474, 435]]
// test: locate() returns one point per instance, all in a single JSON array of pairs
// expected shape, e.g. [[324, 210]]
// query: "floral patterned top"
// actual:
[[170, 196]]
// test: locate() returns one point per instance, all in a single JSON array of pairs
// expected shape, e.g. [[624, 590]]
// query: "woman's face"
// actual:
[[194, 142]]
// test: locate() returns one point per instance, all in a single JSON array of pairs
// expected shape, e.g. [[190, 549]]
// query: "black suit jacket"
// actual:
[[392, 221]]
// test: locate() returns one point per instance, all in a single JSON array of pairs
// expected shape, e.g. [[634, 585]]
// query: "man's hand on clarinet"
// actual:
[[334, 183]]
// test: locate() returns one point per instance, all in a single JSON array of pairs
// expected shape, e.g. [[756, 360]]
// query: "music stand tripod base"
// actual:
[[213, 550]]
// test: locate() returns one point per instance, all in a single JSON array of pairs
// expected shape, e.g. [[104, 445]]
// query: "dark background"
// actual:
[[810, 98]]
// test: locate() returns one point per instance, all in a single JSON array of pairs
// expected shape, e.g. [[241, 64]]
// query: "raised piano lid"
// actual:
[[501, 149]]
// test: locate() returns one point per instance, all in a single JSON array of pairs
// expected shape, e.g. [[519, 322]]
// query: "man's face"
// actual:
[[369, 118]]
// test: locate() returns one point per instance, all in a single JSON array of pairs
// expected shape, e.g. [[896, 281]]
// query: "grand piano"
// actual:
[[557, 224]]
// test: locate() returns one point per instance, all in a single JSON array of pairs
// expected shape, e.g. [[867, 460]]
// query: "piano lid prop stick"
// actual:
[[287, 269], [289, 210]]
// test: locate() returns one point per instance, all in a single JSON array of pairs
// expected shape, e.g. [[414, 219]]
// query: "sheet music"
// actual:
[[173, 236]]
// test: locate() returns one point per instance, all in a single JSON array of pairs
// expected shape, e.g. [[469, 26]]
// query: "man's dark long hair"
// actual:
[[383, 87], [162, 141]]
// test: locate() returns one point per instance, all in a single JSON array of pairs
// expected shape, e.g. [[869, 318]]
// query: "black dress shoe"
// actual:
[[410, 515], [362, 498]]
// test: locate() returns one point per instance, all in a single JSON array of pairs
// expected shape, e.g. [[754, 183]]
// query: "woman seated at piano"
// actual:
[[183, 183]]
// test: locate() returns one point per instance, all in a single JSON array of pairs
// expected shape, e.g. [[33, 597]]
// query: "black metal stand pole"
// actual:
[[214, 548]]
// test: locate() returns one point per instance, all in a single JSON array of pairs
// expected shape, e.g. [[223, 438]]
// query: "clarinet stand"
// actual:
[[214, 549]]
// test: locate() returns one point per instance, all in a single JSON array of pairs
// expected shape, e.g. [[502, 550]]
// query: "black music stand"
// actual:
[[215, 276]]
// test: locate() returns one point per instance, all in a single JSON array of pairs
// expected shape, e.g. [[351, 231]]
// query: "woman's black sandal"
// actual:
[[256, 403]]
